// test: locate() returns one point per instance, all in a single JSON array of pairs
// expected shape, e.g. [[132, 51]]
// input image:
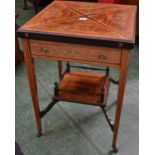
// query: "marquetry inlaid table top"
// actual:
[[83, 22]]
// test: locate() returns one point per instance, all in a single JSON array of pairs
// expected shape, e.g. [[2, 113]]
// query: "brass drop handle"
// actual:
[[102, 56], [45, 50]]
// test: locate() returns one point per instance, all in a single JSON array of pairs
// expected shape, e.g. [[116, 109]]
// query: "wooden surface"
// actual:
[[72, 52], [120, 94], [32, 83], [106, 22], [33, 87], [82, 87], [136, 3]]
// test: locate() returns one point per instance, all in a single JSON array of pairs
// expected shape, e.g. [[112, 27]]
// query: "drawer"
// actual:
[[67, 52]]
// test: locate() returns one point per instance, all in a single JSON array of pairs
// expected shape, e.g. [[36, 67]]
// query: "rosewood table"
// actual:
[[87, 33]]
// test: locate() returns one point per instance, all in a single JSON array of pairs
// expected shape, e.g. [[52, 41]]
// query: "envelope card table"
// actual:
[[87, 33]]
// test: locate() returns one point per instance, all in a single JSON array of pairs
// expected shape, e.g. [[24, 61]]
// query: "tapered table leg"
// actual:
[[25, 5], [60, 69], [35, 5], [32, 83], [120, 95]]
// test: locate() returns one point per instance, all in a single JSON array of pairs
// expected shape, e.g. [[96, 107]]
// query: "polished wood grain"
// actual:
[[72, 52], [136, 3], [82, 87], [116, 20], [94, 8], [71, 23], [120, 94], [32, 83], [110, 22], [52, 13]]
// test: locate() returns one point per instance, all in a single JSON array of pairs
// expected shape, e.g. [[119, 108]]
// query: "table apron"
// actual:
[[76, 53]]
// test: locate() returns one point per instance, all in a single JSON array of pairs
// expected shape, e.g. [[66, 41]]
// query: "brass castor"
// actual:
[[25, 8], [25, 5], [115, 149], [39, 134]]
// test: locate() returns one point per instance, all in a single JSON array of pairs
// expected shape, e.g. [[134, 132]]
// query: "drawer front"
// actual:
[[65, 51]]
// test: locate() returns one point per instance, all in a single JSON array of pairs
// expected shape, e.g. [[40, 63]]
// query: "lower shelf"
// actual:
[[83, 87]]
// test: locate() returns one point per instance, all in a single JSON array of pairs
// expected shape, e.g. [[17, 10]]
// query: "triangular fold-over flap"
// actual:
[[90, 8], [52, 13], [117, 21], [82, 26]]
